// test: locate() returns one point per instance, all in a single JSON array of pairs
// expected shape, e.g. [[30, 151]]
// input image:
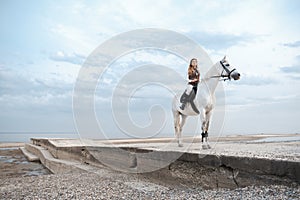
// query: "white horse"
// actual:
[[204, 101]]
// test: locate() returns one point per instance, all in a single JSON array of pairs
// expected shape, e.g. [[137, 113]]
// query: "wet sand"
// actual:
[[11, 144], [14, 164]]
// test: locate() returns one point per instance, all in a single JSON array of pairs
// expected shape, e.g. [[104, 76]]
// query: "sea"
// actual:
[[25, 136], [6, 137]]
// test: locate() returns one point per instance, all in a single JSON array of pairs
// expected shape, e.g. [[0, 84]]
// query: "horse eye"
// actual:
[[227, 65]]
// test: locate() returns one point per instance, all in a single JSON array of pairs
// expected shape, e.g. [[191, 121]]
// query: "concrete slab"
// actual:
[[241, 154], [29, 156], [57, 166], [279, 150], [255, 146]]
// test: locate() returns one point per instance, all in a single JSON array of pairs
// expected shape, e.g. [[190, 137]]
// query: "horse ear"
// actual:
[[224, 58]]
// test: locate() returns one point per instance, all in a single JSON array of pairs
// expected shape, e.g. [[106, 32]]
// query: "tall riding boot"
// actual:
[[191, 97], [187, 98], [183, 100]]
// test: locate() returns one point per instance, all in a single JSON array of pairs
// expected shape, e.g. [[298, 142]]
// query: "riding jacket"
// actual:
[[195, 74]]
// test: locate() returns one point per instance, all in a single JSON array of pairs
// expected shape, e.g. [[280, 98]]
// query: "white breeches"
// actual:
[[189, 89]]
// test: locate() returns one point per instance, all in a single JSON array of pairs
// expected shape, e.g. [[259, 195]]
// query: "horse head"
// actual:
[[228, 71]]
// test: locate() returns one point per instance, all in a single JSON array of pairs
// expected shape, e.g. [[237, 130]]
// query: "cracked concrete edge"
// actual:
[[280, 168]]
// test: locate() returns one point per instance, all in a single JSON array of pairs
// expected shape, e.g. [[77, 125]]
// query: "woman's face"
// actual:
[[194, 63]]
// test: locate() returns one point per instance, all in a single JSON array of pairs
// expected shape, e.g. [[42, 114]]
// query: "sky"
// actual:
[[44, 44]]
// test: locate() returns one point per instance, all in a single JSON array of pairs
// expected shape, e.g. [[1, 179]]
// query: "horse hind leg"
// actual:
[[206, 140], [208, 116], [203, 128]]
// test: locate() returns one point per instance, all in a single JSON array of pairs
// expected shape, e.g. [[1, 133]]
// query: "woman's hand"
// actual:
[[194, 80]]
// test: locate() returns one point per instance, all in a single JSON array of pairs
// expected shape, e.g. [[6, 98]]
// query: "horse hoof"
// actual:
[[180, 145], [204, 147], [208, 146]]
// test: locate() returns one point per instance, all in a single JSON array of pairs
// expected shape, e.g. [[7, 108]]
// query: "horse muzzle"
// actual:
[[236, 76]]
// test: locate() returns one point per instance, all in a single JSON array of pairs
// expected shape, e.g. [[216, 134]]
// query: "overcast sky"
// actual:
[[45, 43]]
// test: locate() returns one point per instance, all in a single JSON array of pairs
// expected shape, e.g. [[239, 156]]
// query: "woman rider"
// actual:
[[193, 80]]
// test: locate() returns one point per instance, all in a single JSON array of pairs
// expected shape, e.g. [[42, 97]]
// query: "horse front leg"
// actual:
[[183, 120], [205, 125], [204, 136], [177, 127]]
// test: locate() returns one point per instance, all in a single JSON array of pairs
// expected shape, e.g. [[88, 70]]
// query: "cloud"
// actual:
[[141, 66], [234, 99], [13, 82], [218, 41], [254, 80], [28, 93], [294, 77], [73, 58], [291, 69], [214, 25], [272, 99], [292, 44]]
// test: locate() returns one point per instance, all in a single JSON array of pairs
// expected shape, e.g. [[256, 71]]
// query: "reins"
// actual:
[[224, 77]]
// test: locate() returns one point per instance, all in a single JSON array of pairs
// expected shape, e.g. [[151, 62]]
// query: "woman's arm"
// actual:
[[191, 79]]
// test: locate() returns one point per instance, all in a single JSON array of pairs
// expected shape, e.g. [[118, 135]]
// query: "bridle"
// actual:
[[223, 76]]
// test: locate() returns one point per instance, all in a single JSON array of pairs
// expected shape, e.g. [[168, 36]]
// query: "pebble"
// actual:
[[115, 186]]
